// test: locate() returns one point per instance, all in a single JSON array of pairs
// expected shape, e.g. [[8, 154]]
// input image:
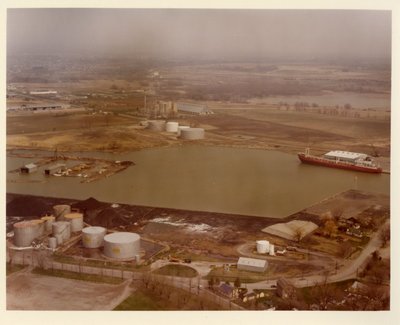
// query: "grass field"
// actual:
[[177, 270], [78, 276], [139, 301]]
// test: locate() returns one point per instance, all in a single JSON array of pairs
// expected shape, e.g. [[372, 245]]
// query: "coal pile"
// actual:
[[89, 205], [26, 206], [111, 218]]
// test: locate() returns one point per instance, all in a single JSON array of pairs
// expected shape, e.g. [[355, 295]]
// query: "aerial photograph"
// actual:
[[198, 159]]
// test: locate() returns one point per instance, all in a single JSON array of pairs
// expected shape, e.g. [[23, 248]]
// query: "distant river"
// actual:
[[241, 181]]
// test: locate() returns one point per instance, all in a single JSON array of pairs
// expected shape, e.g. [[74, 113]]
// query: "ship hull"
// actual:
[[337, 164]]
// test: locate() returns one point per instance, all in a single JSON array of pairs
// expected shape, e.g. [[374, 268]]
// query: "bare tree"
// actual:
[[385, 235]]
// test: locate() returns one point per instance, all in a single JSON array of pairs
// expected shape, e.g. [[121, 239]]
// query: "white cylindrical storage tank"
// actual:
[[76, 220], [62, 228], [48, 222], [122, 245], [171, 126], [271, 249], [93, 237], [137, 259], [192, 134], [156, 125], [262, 246], [25, 232], [181, 127], [53, 242], [59, 211], [59, 239]]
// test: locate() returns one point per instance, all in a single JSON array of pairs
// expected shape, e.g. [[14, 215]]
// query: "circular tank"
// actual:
[[93, 237], [59, 211], [271, 249], [122, 245], [62, 228], [156, 125], [48, 222], [171, 127], [181, 127], [26, 231], [53, 242], [192, 133], [76, 221], [59, 239], [262, 246]]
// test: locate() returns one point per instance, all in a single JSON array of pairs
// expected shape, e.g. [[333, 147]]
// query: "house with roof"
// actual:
[[285, 289], [228, 291]]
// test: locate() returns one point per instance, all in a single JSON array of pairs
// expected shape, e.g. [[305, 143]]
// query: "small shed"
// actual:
[[252, 264], [28, 169], [51, 170]]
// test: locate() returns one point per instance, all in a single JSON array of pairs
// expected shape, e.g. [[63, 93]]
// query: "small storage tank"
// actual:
[[156, 125], [137, 259], [171, 127], [93, 237], [53, 242], [59, 211], [48, 222], [59, 239], [122, 245], [76, 221], [181, 127], [272, 249], [26, 231], [62, 228], [192, 134], [262, 246]]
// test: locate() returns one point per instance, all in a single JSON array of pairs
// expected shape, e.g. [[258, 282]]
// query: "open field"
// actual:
[[27, 291]]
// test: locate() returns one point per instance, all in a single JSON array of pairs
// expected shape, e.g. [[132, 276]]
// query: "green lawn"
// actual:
[[11, 268], [78, 276], [177, 270], [139, 301]]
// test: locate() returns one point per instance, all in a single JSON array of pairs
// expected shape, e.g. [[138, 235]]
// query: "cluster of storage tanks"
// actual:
[[63, 223], [183, 131], [265, 247]]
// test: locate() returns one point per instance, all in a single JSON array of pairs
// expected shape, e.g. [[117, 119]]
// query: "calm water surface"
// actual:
[[242, 181]]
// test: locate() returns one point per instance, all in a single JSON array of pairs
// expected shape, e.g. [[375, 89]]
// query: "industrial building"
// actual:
[[252, 264], [28, 169], [57, 168], [294, 230], [193, 109]]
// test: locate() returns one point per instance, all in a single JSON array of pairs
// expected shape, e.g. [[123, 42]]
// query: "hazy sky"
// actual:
[[201, 34]]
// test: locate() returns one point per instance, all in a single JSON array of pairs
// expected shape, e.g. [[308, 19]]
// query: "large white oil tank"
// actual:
[[63, 229], [156, 125], [26, 231], [181, 127], [93, 237], [59, 211], [53, 242], [262, 246], [192, 134], [76, 220], [122, 245], [272, 249], [48, 222]]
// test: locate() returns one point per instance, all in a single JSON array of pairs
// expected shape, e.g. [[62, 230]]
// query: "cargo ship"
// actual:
[[342, 159]]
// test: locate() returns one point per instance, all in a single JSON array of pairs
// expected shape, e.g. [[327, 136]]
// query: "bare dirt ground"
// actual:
[[27, 291]]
